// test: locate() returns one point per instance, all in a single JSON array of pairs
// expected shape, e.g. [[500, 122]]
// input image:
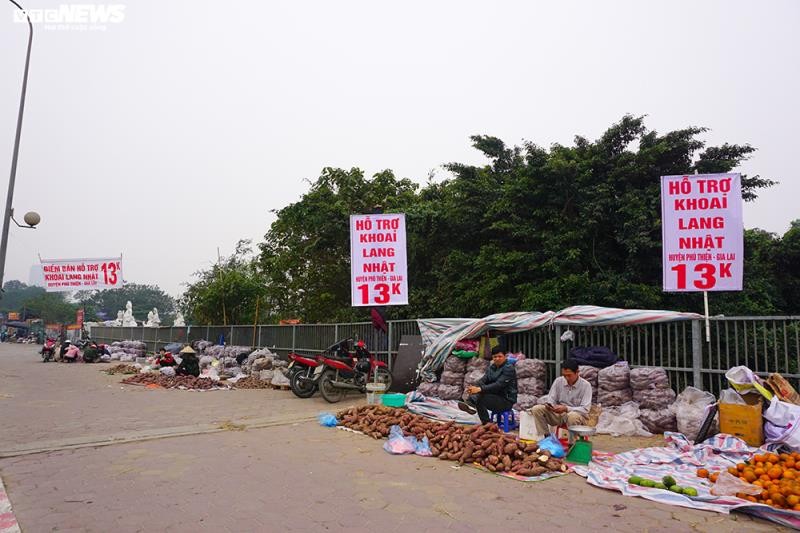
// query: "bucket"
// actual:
[[374, 393]]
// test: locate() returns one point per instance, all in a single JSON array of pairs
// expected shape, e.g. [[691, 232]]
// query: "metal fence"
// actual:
[[764, 344]]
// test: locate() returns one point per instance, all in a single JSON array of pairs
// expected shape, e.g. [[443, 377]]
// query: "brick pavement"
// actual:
[[294, 476]]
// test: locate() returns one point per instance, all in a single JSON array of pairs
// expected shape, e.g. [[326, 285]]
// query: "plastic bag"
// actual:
[[423, 447], [781, 422], [167, 371], [398, 444], [744, 380], [327, 419], [464, 354], [690, 408], [552, 445], [622, 420], [729, 485], [731, 396], [614, 398]]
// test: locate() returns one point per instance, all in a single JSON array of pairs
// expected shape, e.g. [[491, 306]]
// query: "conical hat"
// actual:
[[187, 349]]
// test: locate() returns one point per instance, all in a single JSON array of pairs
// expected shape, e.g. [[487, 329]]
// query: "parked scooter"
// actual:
[[301, 374], [338, 375], [48, 350]]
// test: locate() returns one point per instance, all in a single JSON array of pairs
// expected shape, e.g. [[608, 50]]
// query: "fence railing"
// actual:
[[765, 344]]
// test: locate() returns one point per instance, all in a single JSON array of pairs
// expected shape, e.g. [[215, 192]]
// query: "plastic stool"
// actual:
[[505, 420]]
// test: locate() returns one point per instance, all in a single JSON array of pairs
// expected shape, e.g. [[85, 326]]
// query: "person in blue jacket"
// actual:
[[496, 391]]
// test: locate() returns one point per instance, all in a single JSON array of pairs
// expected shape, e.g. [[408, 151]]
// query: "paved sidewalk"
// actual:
[[293, 476]]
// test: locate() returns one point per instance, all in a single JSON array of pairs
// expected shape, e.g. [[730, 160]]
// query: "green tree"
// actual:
[[51, 307], [227, 292], [143, 297], [305, 256]]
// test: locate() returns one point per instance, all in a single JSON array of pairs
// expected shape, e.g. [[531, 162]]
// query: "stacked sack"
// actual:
[[590, 373], [451, 383], [652, 392], [127, 351], [531, 386], [614, 385], [476, 368], [280, 373]]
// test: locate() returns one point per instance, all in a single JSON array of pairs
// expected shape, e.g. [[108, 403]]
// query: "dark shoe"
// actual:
[[467, 408]]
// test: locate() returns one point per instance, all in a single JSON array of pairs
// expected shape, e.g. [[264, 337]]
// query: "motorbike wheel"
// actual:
[[331, 393], [383, 376], [301, 388]]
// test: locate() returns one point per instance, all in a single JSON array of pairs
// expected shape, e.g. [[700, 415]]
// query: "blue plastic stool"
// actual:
[[505, 420]]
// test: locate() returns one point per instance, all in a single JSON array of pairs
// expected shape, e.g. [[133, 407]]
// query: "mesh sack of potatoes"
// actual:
[[615, 377], [452, 378], [428, 389], [525, 401], [450, 392], [455, 364], [658, 420], [654, 398], [531, 386], [531, 368], [649, 377], [614, 398], [476, 363]]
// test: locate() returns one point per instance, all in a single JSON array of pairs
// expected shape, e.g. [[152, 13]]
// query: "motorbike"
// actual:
[[337, 375], [48, 350], [301, 374]]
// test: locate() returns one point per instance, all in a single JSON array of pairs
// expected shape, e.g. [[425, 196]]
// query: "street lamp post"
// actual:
[[9, 212]]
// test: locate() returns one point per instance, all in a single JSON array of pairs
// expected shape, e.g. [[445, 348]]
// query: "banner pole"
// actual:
[[708, 325]]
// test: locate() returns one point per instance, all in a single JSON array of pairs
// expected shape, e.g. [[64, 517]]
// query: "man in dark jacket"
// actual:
[[496, 391]]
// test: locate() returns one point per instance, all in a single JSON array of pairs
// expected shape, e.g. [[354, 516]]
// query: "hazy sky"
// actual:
[[177, 130]]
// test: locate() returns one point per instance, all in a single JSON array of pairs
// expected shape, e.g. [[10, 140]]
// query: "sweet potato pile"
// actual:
[[122, 369], [485, 445], [168, 382]]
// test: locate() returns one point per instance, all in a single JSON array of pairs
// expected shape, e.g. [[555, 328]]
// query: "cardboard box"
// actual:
[[743, 421], [782, 389]]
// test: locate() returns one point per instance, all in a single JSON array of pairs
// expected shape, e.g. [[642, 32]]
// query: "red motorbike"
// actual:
[[48, 350], [337, 375], [301, 374]]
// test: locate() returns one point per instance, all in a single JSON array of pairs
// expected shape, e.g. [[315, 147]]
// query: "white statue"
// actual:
[[127, 317], [153, 320], [179, 322], [120, 318]]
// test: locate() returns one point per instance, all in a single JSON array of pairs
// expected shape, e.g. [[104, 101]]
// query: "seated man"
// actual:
[[568, 402], [496, 391]]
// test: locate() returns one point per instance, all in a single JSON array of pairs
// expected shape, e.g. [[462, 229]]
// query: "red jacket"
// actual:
[[166, 360]]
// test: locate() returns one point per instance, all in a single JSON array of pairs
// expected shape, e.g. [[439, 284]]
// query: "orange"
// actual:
[[732, 470], [784, 457], [778, 499], [759, 472], [796, 507], [765, 477], [764, 495], [775, 472], [702, 472], [768, 465], [760, 464], [713, 477], [749, 476], [758, 458], [788, 474], [741, 466], [773, 458], [790, 464], [768, 502]]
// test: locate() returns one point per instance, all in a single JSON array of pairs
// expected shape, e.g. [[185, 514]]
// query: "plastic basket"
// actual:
[[394, 400]]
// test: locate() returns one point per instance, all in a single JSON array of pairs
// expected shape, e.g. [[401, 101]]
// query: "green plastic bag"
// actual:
[[463, 354]]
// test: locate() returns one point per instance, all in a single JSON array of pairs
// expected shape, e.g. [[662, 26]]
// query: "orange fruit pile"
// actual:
[[777, 475]]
